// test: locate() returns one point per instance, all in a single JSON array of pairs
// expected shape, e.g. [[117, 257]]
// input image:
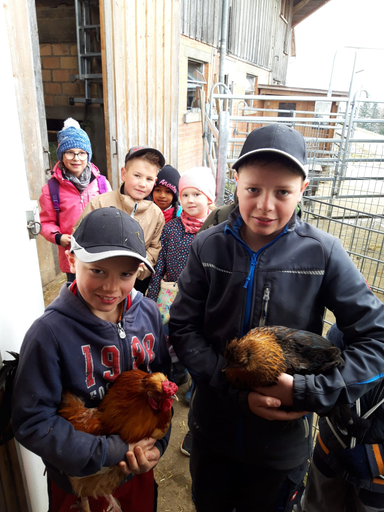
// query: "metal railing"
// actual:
[[345, 195]]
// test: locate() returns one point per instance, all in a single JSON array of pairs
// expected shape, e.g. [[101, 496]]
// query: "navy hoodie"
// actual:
[[69, 348]]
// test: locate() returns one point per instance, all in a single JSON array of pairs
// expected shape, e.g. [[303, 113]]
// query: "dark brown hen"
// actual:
[[259, 357]]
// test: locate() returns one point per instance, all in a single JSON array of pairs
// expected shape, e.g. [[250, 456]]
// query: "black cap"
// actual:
[[169, 177], [141, 150], [107, 233], [276, 138]]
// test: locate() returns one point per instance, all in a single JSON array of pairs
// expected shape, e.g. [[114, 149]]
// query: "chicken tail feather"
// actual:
[[317, 360], [82, 418]]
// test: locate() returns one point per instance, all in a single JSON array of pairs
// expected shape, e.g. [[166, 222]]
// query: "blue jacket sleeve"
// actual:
[[162, 363], [360, 316], [35, 420], [162, 360], [187, 318]]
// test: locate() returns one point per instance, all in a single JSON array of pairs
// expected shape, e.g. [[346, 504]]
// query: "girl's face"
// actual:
[[71, 160], [163, 196], [194, 202]]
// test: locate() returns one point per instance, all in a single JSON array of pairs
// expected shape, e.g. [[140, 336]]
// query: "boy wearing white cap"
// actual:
[[265, 266], [97, 328]]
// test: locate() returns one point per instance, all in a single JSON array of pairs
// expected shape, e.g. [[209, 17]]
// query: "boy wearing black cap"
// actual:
[[142, 165], [97, 328], [265, 266]]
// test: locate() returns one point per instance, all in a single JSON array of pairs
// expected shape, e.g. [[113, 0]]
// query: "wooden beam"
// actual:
[[299, 6]]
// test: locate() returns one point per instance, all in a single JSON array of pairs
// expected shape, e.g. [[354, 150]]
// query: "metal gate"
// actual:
[[345, 196]]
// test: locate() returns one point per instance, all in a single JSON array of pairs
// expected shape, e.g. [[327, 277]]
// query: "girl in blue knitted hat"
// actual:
[[74, 182]]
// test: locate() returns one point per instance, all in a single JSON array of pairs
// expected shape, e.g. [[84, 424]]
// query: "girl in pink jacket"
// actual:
[[78, 183]]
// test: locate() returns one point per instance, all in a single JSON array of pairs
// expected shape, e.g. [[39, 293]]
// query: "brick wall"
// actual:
[[59, 64], [190, 134], [190, 146]]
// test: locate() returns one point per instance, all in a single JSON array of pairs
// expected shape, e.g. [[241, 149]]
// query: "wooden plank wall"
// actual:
[[140, 41], [201, 20], [256, 34], [23, 42]]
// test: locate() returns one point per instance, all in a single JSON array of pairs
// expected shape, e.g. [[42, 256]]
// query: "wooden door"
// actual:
[[140, 55]]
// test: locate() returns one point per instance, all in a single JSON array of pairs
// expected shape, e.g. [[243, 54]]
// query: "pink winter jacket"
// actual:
[[72, 203]]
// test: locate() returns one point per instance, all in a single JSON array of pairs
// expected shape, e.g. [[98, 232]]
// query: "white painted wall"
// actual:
[[21, 298]]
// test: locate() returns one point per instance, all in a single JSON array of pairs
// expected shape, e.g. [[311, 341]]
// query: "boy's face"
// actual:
[[162, 196], [139, 177], [105, 284], [194, 202], [268, 196]]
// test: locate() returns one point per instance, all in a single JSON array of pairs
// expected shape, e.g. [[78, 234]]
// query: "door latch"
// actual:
[[33, 220]]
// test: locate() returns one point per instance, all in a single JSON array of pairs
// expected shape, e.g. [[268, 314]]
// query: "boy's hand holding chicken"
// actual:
[[141, 457], [265, 360], [265, 401], [138, 407]]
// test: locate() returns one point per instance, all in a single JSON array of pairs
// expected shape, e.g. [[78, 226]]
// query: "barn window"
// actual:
[[250, 84], [286, 106], [195, 82]]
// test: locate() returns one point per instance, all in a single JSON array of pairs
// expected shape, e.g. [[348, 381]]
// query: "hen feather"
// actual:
[[137, 405], [259, 357]]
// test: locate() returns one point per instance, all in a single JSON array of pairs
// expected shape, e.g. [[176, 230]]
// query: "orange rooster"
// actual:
[[259, 357], [137, 406]]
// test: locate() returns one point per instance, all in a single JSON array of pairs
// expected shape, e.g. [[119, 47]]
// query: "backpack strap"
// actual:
[[53, 186], [102, 184]]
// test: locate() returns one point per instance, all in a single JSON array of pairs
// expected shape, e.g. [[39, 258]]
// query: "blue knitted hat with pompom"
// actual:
[[72, 136]]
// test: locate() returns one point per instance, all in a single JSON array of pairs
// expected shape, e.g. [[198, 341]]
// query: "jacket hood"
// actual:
[[74, 307]]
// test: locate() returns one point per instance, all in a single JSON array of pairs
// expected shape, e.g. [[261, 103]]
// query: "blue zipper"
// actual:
[[249, 287], [249, 282]]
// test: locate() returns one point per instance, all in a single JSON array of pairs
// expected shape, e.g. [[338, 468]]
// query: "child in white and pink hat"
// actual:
[[197, 194]]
